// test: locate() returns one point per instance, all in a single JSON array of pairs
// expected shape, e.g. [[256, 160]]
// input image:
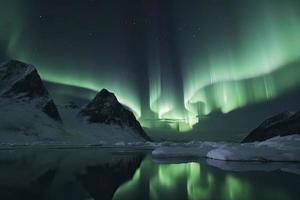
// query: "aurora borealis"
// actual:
[[167, 60]]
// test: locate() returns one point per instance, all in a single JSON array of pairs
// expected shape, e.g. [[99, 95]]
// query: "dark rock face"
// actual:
[[105, 108], [283, 124], [22, 82], [72, 105]]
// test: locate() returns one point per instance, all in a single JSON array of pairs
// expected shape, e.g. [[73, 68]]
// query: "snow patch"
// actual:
[[275, 149]]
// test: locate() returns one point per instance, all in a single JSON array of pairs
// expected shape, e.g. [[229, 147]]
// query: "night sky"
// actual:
[[171, 60]]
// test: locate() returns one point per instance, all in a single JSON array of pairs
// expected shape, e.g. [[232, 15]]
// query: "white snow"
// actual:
[[177, 150], [83, 131], [23, 123], [275, 149], [291, 167]]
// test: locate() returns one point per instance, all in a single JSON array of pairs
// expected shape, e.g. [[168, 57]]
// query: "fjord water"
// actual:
[[121, 174]]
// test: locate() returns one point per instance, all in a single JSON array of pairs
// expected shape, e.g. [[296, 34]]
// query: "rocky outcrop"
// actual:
[[283, 124], [21, 82], [106, 109]]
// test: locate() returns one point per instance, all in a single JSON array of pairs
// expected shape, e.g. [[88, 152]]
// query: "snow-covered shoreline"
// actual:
[[277, 149], [66, 145]]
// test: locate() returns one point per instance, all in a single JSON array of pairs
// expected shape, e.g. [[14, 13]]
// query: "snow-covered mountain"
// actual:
[[283, 124], [28, 113]]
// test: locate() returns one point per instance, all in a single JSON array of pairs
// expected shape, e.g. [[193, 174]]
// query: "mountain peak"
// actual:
[[105, 108], [105, 92], [106, 95], [21, 81]]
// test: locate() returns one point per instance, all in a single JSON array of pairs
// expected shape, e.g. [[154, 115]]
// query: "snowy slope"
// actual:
[[82, 131], [23, 122], [28, 114]]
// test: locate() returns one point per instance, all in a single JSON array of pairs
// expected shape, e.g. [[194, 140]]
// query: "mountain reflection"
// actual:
[[64, 174]]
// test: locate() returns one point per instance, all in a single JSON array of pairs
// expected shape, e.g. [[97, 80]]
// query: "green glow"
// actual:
[[254, 71], [234, 189], [155, 86], [162, 99], [128, 186], [124, 91], [125, 94], [194, 188], [229, 95], [183, 181], [257, 63], [11, 24], [195, 181], [261, 66]]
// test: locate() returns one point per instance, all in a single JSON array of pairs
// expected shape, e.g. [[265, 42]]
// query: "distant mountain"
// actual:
[[283, 124], [21, 82], [106, 109]]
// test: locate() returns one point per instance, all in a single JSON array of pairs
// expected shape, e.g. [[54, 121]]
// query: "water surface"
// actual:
[[129, 174]]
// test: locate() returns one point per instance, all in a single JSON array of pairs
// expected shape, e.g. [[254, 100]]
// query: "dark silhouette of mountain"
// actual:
[[106, 109], [283, 124]]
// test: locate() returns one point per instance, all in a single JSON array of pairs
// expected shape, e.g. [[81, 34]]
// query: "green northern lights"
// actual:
[[11, 24], [123, 92], [246, 55], [235, 77]]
